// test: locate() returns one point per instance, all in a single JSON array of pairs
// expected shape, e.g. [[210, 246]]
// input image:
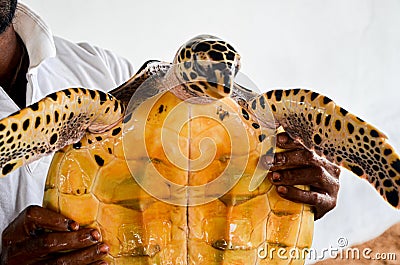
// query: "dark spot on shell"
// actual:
[[350, 128], [193, 75], [327, 120], [387, 152], [53, 139], [103, 97], [92, 94], [116, 131], [187, 64], [35, 107], [202, 47], [254, 104], [313, 96], [53, 96], [261, 137], [188, 54], [245, 114], [56, 116], [196, 88], [14, 127], [37, 122], [374, 133], [216, 56], [262, 102], [77, 145], [357, 170], [99, 160], [230, 55], [318, 118], [219, 47], [296, 91], [326, 100], [98, 138], [387, 183], [278, 95], [8, 168], [161, 108], [2, 127], [67, 93], [127, 118], [317, 139], [255, 125], [185, 77], [338, 125], [396, 165], [343, 111], [392, 197]]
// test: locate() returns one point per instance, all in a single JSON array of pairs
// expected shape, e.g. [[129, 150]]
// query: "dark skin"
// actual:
[[299, 166], [40, 236]]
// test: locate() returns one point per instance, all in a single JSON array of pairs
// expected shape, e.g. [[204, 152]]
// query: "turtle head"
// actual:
[[206, 66]]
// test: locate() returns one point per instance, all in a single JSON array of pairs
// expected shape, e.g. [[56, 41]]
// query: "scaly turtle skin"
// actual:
[[91, 180]]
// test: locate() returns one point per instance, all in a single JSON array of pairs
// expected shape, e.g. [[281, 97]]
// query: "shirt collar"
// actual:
[[35, 34]]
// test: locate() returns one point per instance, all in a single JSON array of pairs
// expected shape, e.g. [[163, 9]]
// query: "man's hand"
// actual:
[[41, 236], [298, 166]]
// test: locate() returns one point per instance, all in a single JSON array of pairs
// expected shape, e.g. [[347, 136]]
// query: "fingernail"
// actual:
[[103, 248], [280, 159], [268, 159], [276, 177], [95, 235], [283, 139], [282, 190], [72, 225]]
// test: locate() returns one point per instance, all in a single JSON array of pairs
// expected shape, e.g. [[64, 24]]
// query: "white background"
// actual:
[[346, 49]]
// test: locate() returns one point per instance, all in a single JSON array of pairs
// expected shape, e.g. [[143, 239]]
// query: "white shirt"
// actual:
[[55, 64]]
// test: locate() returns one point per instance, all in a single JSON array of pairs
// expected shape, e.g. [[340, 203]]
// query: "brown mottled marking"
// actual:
[[348, 141], [45, 114]]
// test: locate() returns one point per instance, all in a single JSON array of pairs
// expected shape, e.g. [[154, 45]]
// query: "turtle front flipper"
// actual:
[[57, 120], [339, 136]]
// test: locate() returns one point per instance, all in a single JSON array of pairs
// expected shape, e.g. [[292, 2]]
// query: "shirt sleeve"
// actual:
[[119, 67]]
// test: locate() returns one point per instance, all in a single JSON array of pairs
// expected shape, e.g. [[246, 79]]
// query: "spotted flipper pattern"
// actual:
[[58, 120], [339, 136]]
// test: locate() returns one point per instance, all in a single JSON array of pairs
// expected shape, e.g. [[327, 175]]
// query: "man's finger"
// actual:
[[55, 242], [91, 255], [301, 158], [302, 196], [284, 141], [316, 177], [322, 202], [36, 217]]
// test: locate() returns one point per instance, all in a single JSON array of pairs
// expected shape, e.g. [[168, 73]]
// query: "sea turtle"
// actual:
[[99, 177]]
